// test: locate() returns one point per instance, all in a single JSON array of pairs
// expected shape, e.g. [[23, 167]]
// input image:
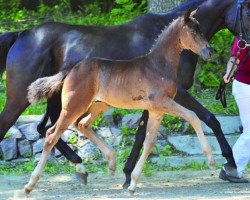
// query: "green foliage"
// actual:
[[126, 132], [212, 72], [97, 122], [207, 98], [124, 11], [148, 169], [7, 135], [28, 167], [167, 151], [172, 123], [73, 139]]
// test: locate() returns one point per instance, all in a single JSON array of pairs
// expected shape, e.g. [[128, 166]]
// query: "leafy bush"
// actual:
[[212, 72]]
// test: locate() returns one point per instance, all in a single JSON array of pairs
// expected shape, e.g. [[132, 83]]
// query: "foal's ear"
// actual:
[[193, 13], [187, 15]]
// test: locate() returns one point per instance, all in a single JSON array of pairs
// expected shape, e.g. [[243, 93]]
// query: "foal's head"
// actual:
[[192, 38]]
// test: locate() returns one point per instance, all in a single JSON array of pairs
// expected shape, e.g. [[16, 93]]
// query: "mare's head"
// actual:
[[191, 37]]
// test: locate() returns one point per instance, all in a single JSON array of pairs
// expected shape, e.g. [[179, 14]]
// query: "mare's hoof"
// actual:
[[83, 178], [125, 185]]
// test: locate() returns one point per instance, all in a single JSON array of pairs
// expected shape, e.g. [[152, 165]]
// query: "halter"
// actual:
[[242, 44], [238, 16]]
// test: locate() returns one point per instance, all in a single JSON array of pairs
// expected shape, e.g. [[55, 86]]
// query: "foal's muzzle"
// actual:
[[206, 53]]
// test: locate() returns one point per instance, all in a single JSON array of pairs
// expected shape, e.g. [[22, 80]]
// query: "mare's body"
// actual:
[[51, 47]]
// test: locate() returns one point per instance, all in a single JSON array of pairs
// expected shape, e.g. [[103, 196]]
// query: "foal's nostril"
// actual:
[[206, 53]]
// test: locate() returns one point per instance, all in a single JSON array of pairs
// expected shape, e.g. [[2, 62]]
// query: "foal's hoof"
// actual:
[[111, 172], [213, 172], [112, 168], [131, 192], [83, 178], [126, 185], [131, 189], [26, 190]]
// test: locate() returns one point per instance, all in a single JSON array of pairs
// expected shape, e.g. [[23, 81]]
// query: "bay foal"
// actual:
[[148, 82]]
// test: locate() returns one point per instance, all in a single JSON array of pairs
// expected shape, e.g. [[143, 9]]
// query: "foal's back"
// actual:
[[128, 84]]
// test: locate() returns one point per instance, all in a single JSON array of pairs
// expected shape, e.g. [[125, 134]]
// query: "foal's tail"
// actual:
[[44, 88], [7, 39]]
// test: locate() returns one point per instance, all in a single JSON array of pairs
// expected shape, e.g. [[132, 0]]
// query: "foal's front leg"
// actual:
[[175, 109], [153, 125]]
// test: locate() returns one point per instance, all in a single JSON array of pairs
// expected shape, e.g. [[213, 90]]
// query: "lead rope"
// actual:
[[221, 92]]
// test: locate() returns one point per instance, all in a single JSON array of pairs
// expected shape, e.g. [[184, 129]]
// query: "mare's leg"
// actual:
[[135, 152], [154, 121], [84, 123], [185, 99], [53, 111], [23, 66], [16, 102], [12, 110]]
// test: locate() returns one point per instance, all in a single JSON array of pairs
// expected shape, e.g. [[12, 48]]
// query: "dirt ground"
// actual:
[[176, 185]]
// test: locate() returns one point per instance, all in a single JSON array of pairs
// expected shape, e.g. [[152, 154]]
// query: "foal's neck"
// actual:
[[168, 46]]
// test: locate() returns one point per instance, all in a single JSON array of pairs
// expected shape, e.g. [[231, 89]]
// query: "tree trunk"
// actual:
[[161, 6]]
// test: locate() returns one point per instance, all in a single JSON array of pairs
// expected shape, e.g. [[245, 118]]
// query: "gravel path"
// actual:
[[176, 185]]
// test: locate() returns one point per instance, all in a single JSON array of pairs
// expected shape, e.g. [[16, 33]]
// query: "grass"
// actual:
[[36, 109], [207, 98], [19, 168]]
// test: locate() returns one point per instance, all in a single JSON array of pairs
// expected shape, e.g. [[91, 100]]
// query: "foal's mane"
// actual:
[[166, 32]]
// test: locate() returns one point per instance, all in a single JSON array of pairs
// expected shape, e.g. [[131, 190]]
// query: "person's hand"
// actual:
[[226, 78]]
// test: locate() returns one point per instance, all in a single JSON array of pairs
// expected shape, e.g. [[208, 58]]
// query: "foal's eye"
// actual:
[[193, 32]]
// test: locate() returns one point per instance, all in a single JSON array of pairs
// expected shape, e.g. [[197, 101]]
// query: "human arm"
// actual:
[[230, 64]]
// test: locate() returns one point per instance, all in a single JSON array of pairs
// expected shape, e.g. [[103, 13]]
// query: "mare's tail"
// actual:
[[44, 88], [6, 41]]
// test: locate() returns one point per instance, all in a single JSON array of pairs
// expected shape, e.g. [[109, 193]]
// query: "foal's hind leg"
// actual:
[[52, 136], [68, 115], [53, 111], [154, 121], [84, 123], [76, 99]]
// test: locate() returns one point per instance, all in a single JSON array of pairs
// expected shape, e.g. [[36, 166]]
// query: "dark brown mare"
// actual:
[[147, 82], [51, 47]]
